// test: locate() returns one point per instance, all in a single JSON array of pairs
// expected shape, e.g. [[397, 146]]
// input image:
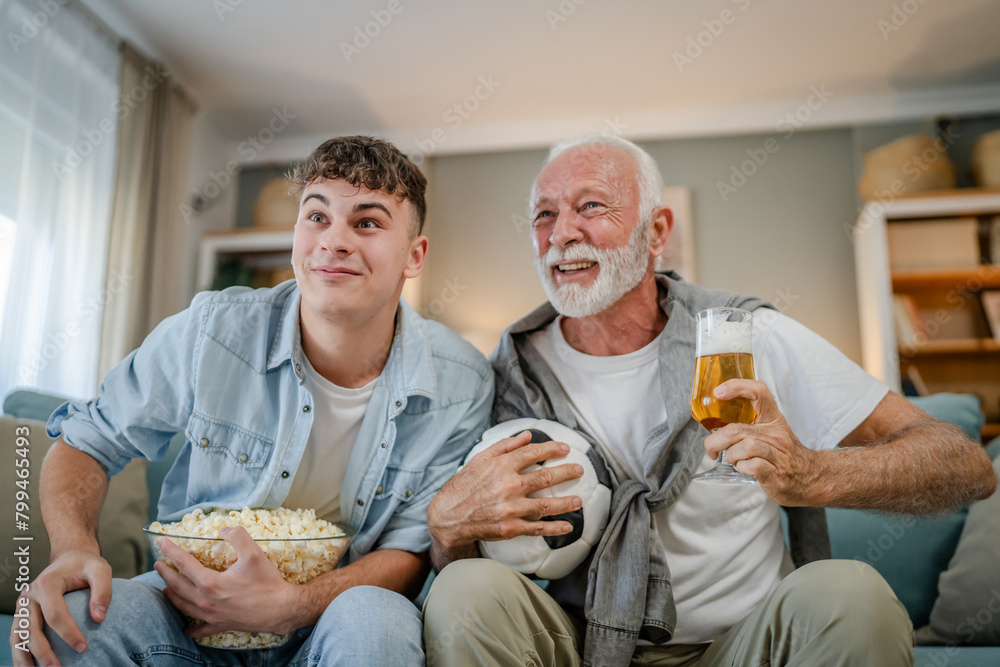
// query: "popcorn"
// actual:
[[296, 542]]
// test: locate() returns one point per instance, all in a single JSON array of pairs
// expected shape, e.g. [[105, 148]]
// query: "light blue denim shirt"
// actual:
[[228, 373]]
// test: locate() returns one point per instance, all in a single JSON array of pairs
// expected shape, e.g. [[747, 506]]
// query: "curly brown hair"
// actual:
[[365, 162]]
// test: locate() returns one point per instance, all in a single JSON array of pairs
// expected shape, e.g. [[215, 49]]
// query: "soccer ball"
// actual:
[[556, 556]]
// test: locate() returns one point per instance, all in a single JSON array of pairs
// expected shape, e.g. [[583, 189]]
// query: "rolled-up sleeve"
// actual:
[[143, 401]]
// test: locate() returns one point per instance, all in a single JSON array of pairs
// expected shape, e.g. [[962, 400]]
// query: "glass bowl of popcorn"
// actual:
[[295, 541]]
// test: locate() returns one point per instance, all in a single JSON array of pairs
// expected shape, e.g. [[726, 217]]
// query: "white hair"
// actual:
[[650, 181]]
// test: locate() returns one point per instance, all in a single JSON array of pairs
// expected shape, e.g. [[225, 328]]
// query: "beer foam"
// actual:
[[724, 337]]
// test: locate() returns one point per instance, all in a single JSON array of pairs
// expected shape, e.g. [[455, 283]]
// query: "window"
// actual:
[[58, 123]]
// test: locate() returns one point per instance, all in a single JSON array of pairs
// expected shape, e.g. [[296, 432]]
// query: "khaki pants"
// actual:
[[831, 612]]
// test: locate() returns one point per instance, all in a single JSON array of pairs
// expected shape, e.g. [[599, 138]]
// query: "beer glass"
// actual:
[[723, 350]]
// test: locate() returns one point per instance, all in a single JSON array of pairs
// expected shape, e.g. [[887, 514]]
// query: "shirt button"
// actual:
[[398, 403], [203, 442], [284, 474], [306, 408], [298, 369], [379, 489], [383, 445], [244, 458], [409, 492], [361, 503]]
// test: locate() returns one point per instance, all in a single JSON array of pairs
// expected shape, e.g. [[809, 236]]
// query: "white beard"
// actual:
[[619, 271]]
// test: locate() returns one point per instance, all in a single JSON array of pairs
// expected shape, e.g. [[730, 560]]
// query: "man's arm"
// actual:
[[71, 491], [488, 499], [253, 596], [899, 459], [898, 444]]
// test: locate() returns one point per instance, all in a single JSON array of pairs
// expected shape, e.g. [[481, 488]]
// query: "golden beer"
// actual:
[[712, 370]]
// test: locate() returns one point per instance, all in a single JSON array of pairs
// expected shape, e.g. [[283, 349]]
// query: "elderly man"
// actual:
[[687, 574]]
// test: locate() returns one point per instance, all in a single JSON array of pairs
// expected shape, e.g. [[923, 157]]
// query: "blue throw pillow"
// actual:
[[993, 449], [908, 551], [962, 410]]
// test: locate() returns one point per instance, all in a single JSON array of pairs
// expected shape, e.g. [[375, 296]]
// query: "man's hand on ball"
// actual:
[[488, 498]]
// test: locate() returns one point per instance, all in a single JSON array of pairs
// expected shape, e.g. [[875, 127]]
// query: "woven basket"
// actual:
[[985, 163], [275, 208], [913, 163]]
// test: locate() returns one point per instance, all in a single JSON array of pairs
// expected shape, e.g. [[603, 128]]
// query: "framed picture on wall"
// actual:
[[679, 254]]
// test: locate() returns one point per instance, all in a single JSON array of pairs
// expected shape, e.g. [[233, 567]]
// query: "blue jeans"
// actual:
[[364, 625]]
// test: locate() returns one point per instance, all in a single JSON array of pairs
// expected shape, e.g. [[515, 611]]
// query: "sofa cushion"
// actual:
[[908, 551], [29, 404], [952, 656], [119, 527], [967, 610], [962, 410]]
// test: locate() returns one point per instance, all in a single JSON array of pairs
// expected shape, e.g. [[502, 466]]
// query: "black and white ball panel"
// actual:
[[555, 556]]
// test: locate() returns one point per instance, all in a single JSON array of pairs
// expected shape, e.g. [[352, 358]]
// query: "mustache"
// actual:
[[578, 251]]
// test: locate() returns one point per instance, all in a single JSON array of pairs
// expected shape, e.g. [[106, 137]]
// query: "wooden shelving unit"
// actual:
[[265, 245], [268, 249], [956, 350], [906, 281], [953, 346]]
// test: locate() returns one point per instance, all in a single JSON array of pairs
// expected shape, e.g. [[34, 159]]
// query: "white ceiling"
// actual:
[[564, 65]]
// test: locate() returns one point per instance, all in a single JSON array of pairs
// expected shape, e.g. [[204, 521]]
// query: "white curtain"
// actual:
[[59, 113], [147, 226]]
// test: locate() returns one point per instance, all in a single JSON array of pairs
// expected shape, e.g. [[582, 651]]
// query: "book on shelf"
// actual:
[[910, 329], [990, 300], [934, 244], [995, 240], [912, 383]]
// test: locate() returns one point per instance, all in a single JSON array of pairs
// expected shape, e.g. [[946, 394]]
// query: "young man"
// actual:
[[686, 574], [325, 392]]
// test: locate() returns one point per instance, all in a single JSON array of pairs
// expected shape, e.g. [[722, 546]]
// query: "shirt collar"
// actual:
[[287, 343], [409, 369]]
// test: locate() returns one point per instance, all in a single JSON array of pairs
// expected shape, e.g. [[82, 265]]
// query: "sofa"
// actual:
[[917, 556]]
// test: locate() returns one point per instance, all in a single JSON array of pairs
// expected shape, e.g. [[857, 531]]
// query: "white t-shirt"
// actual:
[[724, 545], [337, 416]]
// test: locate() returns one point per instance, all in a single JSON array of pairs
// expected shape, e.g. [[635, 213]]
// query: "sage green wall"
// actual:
[[781, 234]]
